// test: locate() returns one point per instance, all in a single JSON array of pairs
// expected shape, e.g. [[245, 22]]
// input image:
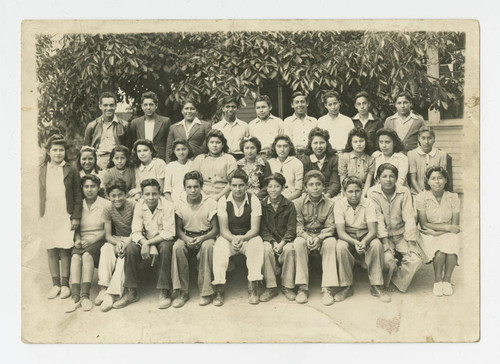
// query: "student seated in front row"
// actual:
[[398, 229], [315, 228], [239, 217], [356, 222], [153, 233], [197, 228], [278, 230], [117, 227]]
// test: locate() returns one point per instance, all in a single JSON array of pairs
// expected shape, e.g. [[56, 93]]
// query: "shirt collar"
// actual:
[[183, 197], [363, 203], [54, 166], [432, 153], [306, 118], [144, 206], [315, 159], [353, 155], [195, 121], [231, 199], [236, 121], [370, 116], [378, 188], [95, 205], [271, 116], [149, 167], [115, 119], [307, 199]]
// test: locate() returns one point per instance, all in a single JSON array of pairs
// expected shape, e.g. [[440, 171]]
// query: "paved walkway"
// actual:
[[414, 316]]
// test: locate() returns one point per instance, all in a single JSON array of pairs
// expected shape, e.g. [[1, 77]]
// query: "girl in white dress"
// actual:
[[175, 170], [439, 215], [60, 212]]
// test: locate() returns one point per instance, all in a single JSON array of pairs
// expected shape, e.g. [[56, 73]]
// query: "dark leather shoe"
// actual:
[[219, 298], [181, 299], [129, 296], [378, 292], [345, 293], [268, 294], [253, 295]]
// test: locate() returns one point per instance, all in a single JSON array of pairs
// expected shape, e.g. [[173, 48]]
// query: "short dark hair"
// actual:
[[360, 133], [322, 133], [253, 140], [87, 148], [278, 177], [184, 142], [313, 173], [403, 94], [362, 94], [119, 148], [90, 177], [108, 94], [215, 133], [148, 143], [264, 98], [118, 184], [194, 175], [149, 95], [438, 169], [288, 140], [239, 174], [388, 166], [150, 182], [297, 94], [56, 139], [230, 99], [329, 94], [398, 144], [352, 180], [190, 100]]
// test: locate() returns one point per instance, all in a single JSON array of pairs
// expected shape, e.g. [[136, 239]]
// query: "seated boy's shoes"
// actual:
[[65, 292], [164, 299], [219, 298], [72, 306], [205, 300], [54, 292], [129, 296], [107, 303], [288, 293], [268, 294], [302, 295], [181, 299], [86, 304], [98, 300], [378, 292], [326, 296], [345, 293], [253, 295], [447, 289]]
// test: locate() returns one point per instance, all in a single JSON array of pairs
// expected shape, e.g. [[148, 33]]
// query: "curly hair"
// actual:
[[135, 161], [119, 149], [252, 140], [84, 149], [398, 144], [360, 133], [90, 177], [322, 133], [177, 142], [56, 139], [193, 175], [443, 173], [214, 133]]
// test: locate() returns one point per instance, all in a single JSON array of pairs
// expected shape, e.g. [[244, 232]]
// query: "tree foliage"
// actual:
[[73, 69]]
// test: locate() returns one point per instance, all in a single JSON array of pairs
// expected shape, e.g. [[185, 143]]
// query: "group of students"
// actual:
[[273, 191]]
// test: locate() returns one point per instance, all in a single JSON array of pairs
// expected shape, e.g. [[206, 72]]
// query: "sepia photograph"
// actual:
[[250, 181]]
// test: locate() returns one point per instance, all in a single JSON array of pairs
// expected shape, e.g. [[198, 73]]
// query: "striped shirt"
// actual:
[[120, 220]]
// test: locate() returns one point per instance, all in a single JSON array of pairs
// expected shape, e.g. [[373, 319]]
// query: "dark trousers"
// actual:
[[164, 262]]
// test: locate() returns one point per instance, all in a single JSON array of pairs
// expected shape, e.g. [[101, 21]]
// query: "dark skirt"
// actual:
[[94, 250]]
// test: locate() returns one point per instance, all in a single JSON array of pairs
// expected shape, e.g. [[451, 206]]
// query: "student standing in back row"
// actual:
[[233, 128], [151, 126], [298, 126], [338, 125], [107, 131], [405, 122], [265, 126], [364, 119]]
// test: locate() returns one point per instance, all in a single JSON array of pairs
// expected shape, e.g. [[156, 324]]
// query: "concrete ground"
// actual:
[[414, 316]]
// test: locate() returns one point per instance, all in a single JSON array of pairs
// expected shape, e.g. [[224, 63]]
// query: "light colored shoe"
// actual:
[[326, 296], [377, 291], [72, 306], [164, 299], [100, 297], [65, 292], [86, 304], [302, 296], [54, 292], [438, 289], [107, 303], [447, 289]]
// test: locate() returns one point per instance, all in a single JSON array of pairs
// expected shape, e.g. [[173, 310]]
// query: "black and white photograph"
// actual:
[[250, 181]]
